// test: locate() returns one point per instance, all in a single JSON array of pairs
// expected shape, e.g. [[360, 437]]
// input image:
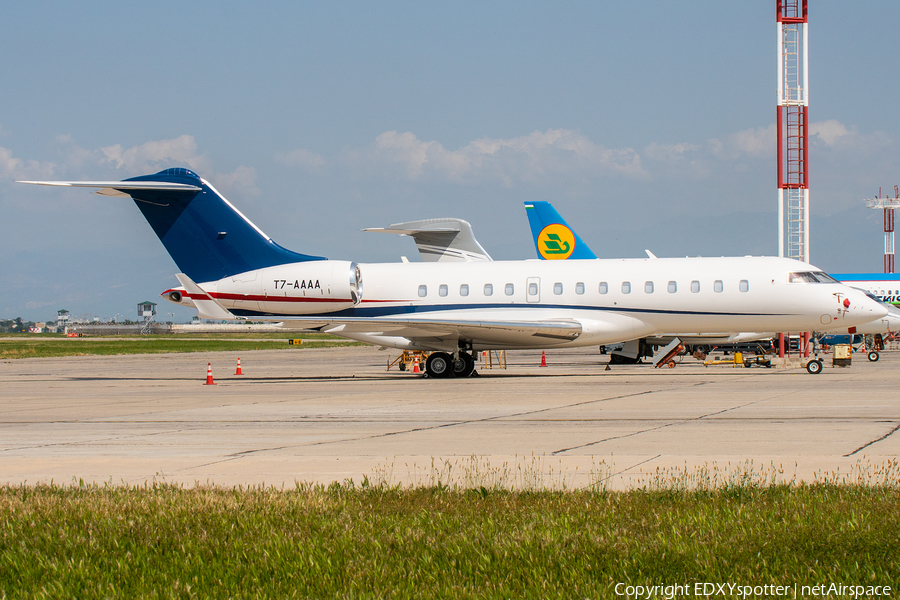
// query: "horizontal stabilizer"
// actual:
[[441, 240], [122, 185]]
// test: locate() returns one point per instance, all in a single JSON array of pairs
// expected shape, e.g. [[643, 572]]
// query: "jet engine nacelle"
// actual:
[[178, 296], [304, 288]]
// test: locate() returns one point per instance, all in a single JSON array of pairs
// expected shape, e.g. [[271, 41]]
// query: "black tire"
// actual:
[[873, 356], [464, 366], [438, 365], [814, 367]]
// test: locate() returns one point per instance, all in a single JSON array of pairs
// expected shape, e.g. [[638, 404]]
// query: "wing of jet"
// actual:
[[441, 240], [422, 332]]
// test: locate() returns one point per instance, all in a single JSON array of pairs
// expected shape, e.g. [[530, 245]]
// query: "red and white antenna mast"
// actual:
[[888, 204], [792, 125]]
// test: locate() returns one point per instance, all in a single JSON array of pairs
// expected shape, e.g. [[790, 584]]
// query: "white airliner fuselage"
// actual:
[[570, 303]]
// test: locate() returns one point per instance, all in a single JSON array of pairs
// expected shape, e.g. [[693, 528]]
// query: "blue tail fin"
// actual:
[[205, 235], [553, 238]]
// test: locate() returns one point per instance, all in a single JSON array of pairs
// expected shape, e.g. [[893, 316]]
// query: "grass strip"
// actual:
[[49, 347], [348, 541]]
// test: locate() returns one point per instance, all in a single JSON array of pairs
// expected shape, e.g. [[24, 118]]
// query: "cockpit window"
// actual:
[[811, 277], [801, 278], [824, 277]]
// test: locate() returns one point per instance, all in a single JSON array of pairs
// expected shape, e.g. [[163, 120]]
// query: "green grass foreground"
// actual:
[[363, 542], [38, 346]]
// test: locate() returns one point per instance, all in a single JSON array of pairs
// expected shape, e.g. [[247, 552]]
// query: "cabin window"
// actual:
[[557, 288], [442, 290], [604, 287], [579, 288], [532, 289], [745, 285], [695, 286], [672, 287], [488, 289], [464, 289], [648, 287], [509, 289], [626, 287], [718, 286], [423, 291]]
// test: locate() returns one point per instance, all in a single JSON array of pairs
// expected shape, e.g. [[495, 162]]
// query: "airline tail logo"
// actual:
[[556, 242]]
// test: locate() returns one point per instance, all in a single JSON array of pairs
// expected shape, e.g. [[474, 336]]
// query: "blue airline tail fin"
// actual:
[[553, 238], [205, 235]]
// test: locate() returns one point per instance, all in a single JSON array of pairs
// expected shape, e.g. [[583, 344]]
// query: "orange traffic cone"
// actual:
[[416, 365], [238, 372], [209, 379], [543, 358]]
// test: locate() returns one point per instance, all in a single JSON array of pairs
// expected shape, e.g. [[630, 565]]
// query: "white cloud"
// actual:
[[758, 143], [155, 155], [118, 162], [242, 181], [829, 131], [12, 168], [301, 158], [669, 153], [533, 157]]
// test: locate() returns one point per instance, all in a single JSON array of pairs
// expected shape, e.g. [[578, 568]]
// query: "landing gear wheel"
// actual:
[[464, 366], [438, 365], [814, 367], [873, 356]]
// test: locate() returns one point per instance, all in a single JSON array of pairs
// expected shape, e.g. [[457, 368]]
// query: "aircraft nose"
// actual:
[[861, 307]]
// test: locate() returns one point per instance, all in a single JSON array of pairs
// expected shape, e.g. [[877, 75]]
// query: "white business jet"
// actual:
[[232, 270], [554, 239]]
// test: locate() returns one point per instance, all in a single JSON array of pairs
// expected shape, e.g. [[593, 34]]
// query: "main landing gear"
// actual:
[[443, 364]]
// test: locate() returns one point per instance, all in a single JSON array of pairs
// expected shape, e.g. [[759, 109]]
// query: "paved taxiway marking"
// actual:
[[238, 455], [674, 422], [245, 453], [60, 417], [627, 469], [881, 439]]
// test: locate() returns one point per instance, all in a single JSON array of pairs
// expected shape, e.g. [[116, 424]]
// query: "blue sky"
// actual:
[[647, 124]]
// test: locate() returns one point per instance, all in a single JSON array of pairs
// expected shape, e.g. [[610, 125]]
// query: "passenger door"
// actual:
[[533, 289]]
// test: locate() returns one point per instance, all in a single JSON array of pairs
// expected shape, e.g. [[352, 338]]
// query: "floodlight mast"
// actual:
[[888, 204], [792, 128], [792, 132]]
